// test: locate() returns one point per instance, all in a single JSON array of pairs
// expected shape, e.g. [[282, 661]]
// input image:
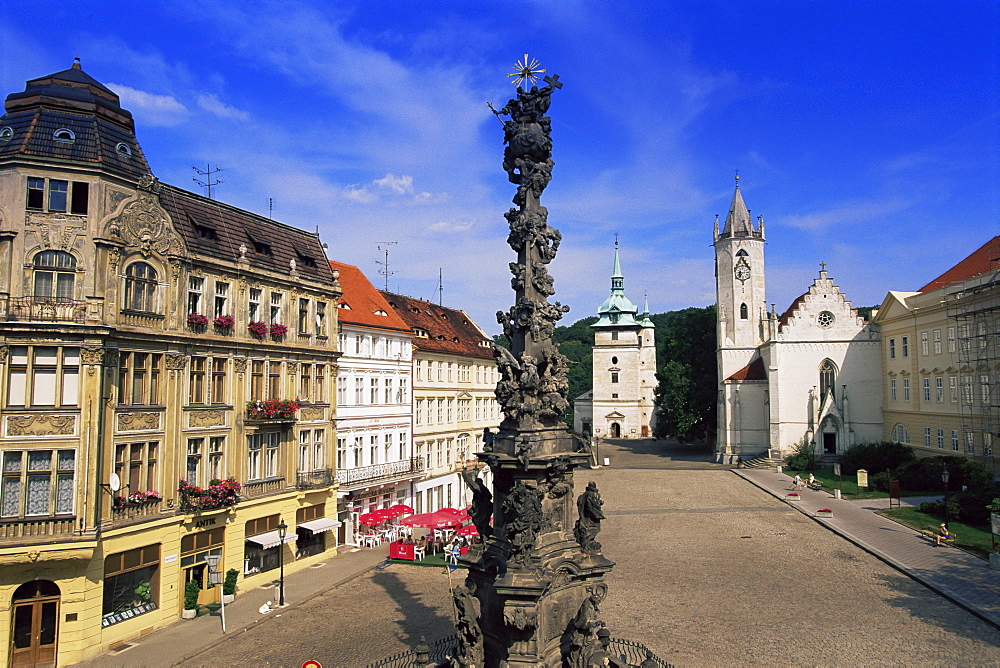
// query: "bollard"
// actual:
[[607, 461], [836, 493], [779, 468]]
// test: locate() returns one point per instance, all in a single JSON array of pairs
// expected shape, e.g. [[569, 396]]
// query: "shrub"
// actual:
[[191, 591], [229, 584], [880, 481], [875, 457], [804, 456]]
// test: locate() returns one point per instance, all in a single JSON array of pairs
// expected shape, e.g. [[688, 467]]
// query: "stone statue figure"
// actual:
[[589, 524], [522, 512], [482, 504], [470, 635], [582, 632]]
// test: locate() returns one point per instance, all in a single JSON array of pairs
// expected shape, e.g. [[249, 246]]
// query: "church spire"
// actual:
[[617, 280], [738, 221], [617, 309]]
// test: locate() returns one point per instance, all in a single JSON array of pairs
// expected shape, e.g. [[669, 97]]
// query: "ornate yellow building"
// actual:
[[149, 336]]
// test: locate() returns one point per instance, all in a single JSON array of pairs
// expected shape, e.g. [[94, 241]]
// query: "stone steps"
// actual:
[[762, 463]]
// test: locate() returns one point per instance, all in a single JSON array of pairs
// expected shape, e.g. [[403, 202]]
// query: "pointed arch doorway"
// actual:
[[828, 435], [34, 624]]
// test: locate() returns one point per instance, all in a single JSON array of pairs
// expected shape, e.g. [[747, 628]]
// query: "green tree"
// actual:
[[576, 342], [686, 393]]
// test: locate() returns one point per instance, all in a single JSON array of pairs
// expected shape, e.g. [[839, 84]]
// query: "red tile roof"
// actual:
[[439, 329], [786, 316], [753, 371], [364, 301], [983, 260]]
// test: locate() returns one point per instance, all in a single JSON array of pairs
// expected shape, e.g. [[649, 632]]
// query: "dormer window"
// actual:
[[261, 248], [206, 232], [381, 312], [6, 133], [124, 149], [64, 135], [305, 260], [344, 305]]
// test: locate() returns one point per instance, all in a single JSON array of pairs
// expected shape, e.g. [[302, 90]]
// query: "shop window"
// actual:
[[44, 376], [140, 288], [37, 482], [131, 584], [256, 558], [54, 275], [309, 542], [195, 547]]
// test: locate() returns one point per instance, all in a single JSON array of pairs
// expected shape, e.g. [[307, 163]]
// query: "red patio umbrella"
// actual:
[[436, 520], [402, 508], [371, 519], [453, 511], [468, 530], [390, 513]]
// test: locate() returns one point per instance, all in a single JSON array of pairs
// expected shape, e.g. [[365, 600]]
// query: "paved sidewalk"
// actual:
[[957, 575], [183, 639]]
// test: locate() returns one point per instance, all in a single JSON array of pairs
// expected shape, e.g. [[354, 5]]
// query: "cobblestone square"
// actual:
[[710, 571]]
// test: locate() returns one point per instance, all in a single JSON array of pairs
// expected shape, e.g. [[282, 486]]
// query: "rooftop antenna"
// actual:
[[270, 211], [385, 265], [440, 287], [208, 182]]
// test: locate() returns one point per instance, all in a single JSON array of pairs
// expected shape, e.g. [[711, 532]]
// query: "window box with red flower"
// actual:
[[278, 330], [197, 320], [224, 323], [272, 410], [258, 328], [218, 494]]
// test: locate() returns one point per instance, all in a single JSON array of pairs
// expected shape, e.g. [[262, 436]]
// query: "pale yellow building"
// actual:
[[941, 361], [140, 326]]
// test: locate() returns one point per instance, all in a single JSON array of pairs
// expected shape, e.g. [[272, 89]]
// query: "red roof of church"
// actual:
[[364, 301], [753, 371], [985, 259], [786, 316]]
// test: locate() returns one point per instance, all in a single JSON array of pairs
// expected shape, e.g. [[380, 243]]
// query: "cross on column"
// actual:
[[822, 266], [553, 81]]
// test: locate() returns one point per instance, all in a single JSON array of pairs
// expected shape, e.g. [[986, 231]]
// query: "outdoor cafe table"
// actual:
[[399, 550]]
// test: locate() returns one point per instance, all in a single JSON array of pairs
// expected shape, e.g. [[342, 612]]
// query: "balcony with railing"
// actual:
[[135, 508], [355, 478], [25, 531], [49, 309], [258, 488], [314, 479]]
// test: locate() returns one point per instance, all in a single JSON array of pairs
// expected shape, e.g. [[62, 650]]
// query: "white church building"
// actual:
[[811, 373], [621, 401]]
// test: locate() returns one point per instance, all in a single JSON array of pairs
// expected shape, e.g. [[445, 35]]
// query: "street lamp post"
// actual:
[[944, 478], [282, 529], [215, 578]]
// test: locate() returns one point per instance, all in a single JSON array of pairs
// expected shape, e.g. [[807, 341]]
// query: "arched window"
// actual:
[[743, 312], [64, 135], [900, 434], [827, 379], [55, 275], [140, 287]]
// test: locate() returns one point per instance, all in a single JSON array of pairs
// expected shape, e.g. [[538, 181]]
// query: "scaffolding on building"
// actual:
[[974, 306]]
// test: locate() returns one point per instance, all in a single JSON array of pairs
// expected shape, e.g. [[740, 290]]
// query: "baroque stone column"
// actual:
[[534, 587]]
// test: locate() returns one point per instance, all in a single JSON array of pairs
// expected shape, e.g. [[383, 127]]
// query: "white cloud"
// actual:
[[847, 214], [452, 226], [359, 194], [212, 104], [401, 185], [150, 108]]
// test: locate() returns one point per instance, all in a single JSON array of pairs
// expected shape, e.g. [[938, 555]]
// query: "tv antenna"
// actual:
[[208, 182], [383, 247], [440, 287], [270, 210]]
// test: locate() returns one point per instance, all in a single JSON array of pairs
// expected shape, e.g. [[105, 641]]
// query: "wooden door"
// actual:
[[34, 632]]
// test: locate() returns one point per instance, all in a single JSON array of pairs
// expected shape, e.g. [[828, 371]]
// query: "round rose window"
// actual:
[[825, 319]]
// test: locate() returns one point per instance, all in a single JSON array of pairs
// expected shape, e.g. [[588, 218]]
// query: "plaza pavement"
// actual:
[[711, 570], [958, 575]]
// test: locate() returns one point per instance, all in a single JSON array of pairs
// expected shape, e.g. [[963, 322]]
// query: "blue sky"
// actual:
[[866, 133]]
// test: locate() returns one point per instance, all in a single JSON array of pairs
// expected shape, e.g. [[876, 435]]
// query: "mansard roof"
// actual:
[[216, 229], [362, 304], [984, 259], [440, 329], [75, 101]]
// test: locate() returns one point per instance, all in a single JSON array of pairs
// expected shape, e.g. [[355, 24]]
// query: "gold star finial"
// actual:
[[526, 72]]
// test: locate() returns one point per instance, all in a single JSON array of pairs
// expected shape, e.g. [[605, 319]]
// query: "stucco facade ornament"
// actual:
[[138, 421], [3, 353], [43, 424], [311, 414], [211, 418], [240, 364], [176, 361], [145, 225]]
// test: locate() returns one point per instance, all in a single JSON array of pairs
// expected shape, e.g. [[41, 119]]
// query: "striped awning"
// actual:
[[320, 525], [270, 539]]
